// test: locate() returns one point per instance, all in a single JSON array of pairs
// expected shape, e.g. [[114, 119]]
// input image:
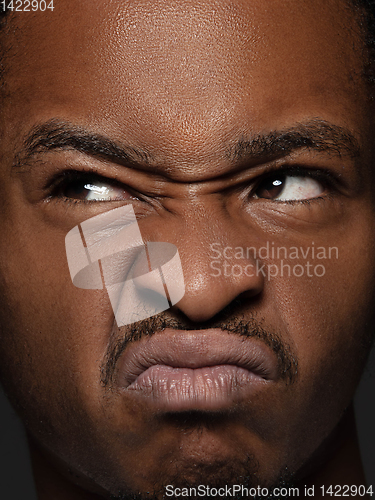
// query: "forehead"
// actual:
[[173, 75]]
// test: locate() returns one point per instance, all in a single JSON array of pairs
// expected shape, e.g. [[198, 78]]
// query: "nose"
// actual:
[[218, 263], [207, 266], [216, 272]]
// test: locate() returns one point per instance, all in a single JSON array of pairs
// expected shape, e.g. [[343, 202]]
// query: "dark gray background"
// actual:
[[16, 481]]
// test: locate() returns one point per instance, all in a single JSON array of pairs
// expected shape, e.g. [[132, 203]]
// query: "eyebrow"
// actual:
[[315, 134], [61, 135]]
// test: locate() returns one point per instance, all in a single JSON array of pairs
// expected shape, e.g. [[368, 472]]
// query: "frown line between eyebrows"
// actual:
[[314, 134]]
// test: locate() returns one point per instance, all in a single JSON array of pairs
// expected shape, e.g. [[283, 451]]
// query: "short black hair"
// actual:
[[366, 9], [3, 20], [3, 14]]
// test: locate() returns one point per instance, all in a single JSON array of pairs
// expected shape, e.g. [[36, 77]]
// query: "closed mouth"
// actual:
[[204, 369]]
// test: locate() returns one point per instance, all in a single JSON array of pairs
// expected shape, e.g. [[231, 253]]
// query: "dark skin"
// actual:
[[183, 84]]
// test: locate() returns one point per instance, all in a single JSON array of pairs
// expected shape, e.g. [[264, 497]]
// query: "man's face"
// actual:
[[245, 124]]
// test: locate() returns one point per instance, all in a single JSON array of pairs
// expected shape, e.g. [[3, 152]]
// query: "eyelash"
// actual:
[[328, 180], [62, 179]]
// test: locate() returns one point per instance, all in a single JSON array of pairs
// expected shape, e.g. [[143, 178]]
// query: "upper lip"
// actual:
[[196, 349]]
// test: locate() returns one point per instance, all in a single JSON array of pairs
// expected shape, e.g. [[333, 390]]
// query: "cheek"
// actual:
[[328, 323], [53, 335], [329, 318]]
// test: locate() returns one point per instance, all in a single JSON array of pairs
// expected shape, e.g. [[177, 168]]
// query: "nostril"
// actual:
[[209, 293]]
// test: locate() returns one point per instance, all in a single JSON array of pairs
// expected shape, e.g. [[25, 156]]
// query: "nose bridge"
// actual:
[[218, 264]]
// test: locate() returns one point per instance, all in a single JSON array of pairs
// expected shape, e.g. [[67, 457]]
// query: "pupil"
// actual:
[[271, 188], [78, 188]]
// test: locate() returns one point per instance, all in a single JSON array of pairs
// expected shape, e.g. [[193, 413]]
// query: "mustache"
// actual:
[[228, 320]]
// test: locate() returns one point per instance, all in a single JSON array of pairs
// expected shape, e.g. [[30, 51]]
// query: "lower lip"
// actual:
[[186, 389]]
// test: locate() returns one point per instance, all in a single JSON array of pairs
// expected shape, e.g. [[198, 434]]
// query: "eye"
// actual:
[[287, 187], [89, 187]]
